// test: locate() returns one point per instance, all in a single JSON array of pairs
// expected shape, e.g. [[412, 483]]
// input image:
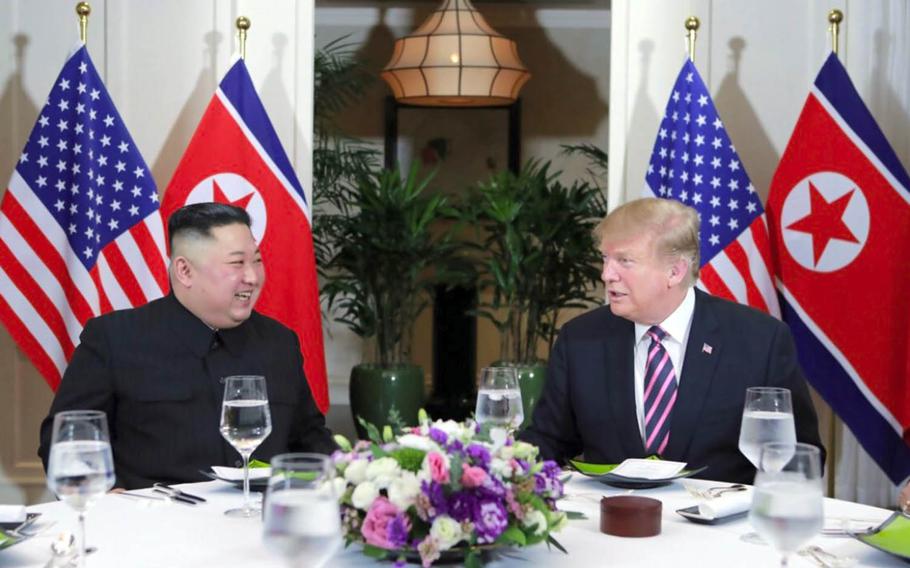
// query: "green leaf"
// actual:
[[592, 468], [512, 535], [555, 543], [472, 560], [575, 515], [377, 451], [372, 431], [375, 551], [258, 464], [342, 442]]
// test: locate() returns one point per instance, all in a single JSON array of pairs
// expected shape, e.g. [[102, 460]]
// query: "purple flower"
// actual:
[[479, 454], [492, 488], [546, 483], [456, 446], [438, 436], [398, 529], [490, 520], [462, 506], [438, 504]]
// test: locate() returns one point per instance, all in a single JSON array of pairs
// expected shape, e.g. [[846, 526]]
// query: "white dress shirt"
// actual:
[[677, 326]]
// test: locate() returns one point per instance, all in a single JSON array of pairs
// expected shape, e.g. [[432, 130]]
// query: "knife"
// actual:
[[175, 496], [174, 491]]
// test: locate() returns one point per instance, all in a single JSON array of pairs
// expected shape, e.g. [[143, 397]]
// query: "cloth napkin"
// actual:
[[12, 513], [236, 473], [727, 504]]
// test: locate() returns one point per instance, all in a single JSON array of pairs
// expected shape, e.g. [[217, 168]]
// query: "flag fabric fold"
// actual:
[[694, 161], [80, 228], [839, 216], [235, 157]]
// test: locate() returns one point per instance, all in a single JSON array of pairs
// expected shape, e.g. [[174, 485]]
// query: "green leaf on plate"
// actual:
[[259, 464], [593, 468]]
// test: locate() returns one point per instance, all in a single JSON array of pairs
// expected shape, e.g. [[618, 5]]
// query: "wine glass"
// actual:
[[767, 417], [499, 398], [787, 501], [80, 468], [302, 517], [245, 423]]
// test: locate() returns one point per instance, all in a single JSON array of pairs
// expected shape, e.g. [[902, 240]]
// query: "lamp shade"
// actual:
[[455, 59]]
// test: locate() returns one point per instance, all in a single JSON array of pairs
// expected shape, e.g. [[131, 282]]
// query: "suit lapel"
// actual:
[[702, 353], [620, 386]]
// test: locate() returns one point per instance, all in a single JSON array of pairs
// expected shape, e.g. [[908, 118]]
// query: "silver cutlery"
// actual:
[[173, 496], [174, 491], [714, 492], [826, 559]]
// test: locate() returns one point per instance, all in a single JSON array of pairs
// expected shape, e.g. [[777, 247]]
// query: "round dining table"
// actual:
[[136, 532]]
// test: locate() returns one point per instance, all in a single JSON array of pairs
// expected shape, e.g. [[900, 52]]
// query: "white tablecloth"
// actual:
[[130, 533]]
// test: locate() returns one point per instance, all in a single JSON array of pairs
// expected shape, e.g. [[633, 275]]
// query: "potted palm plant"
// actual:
[[538, 257], [387, 256]]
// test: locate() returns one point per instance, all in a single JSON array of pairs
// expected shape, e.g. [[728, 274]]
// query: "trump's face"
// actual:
[[641, 286], [226, 276]]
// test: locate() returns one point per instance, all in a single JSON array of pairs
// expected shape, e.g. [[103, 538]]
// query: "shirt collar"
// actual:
[[198, 336], [676, 324]]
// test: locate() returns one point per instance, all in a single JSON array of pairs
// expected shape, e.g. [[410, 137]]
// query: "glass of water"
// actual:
[[767, 417], [302, 517], [787, 501], [499, 398], [245, 423], [80, 468]]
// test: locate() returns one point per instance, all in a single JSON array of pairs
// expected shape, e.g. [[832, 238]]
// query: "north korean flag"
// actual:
[[839, 214], [235, 157]]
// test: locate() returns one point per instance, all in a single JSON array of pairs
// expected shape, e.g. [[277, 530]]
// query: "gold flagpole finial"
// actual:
[[835, 17], [243, 24], [692, 25], [83, 10]]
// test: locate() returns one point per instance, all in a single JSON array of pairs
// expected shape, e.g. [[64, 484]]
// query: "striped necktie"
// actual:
[[660, 393]]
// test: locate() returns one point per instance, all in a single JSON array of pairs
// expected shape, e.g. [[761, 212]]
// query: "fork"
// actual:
[[713, 492], [827, 559]]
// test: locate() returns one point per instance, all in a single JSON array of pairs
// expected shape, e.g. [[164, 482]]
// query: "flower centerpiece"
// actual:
[[445, 487]]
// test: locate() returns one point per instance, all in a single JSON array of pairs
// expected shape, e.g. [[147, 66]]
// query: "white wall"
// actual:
[[758, 60]]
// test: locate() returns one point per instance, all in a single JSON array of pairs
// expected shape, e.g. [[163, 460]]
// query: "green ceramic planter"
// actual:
[[531, 379], [376, 390]]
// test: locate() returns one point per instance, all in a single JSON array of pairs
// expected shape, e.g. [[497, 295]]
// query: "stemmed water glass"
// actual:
[[302, 517], [767, 417], [787, 501], [499, 398], [80, 468], [245, 423]]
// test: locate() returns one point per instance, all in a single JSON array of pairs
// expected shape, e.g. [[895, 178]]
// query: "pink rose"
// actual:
[[473, 476], [439, 468], [375, 529]]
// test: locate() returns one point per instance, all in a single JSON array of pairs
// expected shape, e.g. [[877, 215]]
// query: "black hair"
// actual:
[[198, 219]]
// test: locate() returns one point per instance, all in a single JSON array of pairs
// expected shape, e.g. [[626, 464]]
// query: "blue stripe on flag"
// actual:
[[834, 82], [238, 88], [875, 434]]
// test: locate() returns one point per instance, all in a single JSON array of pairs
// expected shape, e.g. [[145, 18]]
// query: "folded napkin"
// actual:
[[236, 473], [726, 504], [12, 513]]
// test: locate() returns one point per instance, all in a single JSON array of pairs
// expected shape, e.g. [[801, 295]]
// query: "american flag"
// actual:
[[80, 230], [694, 162]]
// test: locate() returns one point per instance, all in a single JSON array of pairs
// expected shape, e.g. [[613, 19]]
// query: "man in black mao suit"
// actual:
[[599, 399], [157, 370]]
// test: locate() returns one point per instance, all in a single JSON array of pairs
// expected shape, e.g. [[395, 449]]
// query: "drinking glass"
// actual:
[[302, 517], [499, 398], [245, 423], [767, 417], [80, 468], [787, 500]]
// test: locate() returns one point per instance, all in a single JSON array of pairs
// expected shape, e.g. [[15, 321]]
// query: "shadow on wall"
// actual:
[[559, 101], [643, 112], [745, 129], [18, 114], [178, 137], [275, 92], [890, 108]]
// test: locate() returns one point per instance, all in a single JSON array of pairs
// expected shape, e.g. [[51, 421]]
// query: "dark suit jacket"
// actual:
[[588, 404], [155, 372]]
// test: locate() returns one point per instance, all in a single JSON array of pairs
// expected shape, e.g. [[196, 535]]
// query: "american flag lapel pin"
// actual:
[[705, 348]]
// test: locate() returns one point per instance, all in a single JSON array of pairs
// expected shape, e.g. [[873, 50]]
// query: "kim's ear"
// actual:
[[183, 271]]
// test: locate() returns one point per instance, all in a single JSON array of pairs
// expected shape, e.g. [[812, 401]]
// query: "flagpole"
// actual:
[[83, 10], [692, 25], [835, 17], [243, 24]]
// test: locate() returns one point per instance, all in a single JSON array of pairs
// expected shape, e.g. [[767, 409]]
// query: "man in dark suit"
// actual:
[[157, 370], [665, 367]]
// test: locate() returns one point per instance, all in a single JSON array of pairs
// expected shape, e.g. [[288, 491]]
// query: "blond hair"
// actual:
[[673, 226]]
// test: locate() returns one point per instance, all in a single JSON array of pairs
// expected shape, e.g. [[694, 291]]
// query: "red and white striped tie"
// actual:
[[660, 393]]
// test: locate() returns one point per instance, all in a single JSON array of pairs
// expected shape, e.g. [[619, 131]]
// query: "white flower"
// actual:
[[446, 531], [383, 471], [524, 451], [403, 491], [506, 452], [535, 519], [364, 495], [355, 473], [417, 442], [338, 486], [501, 468]]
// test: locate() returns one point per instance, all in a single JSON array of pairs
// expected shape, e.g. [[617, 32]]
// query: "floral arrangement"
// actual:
[[444, 486]]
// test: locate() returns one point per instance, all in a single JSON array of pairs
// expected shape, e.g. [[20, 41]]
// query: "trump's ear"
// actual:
[[183, 271], [678, 271]]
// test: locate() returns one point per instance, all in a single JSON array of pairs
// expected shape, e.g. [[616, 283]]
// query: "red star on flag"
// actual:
[[218, 196], [825, 221]]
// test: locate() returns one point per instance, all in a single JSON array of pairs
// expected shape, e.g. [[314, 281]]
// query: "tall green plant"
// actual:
[[537, 252], [388, 258]]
